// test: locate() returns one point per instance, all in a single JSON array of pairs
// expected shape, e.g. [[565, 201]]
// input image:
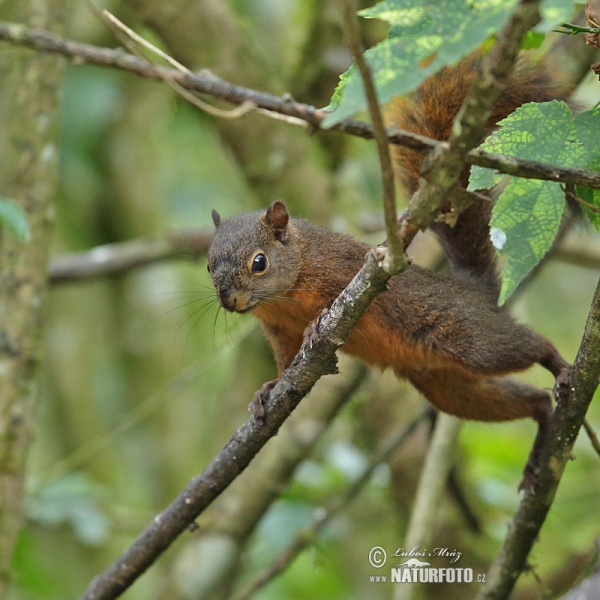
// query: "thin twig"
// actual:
[[572, 29], [130, 34], [323, 515], [432, 484], [592, 435], [131, 40], [281, 108], [380, 134], [579, 200]]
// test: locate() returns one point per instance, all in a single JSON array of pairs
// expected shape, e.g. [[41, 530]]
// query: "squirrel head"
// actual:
[[252, 258]]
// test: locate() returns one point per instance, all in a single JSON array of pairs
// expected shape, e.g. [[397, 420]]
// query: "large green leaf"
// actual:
[[424, 37], [527, 215], [13, 217]]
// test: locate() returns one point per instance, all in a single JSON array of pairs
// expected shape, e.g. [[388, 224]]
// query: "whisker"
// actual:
[[214, 328], [189, 303], [187, 339], [210, 305], [228, 336], [204, 300], [197, 283], [207, 293], [186, 300]]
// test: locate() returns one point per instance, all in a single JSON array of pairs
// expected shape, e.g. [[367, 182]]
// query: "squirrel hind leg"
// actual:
[[489, 399]]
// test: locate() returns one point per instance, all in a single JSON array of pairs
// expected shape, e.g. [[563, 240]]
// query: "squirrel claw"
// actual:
[[562, 386], [530, 478], [310, 333], [256, 405]]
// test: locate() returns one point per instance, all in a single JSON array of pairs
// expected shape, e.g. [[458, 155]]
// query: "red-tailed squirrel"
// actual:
[[444, 333]]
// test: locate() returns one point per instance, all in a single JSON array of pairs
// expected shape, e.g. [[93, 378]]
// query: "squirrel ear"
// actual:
[[277, 217], [216, 217]]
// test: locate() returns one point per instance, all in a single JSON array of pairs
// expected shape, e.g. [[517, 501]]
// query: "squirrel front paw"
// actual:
[[256, 405]]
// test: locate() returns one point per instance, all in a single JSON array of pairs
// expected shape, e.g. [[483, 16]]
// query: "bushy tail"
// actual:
[[430, 111]]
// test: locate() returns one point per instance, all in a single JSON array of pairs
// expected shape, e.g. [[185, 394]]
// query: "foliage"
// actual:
[[528, 213], [120, 405], [13, 218], [424, 37]]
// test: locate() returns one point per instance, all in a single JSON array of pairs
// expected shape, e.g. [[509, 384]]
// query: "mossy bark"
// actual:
[[28, 144]]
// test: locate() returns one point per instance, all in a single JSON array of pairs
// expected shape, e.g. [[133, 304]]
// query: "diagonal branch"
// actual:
[[324, 515], [564, 428], [278, 107], [309, 365], [443, 167]]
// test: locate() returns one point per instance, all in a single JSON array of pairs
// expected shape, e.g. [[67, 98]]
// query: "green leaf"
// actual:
[[529, 213], [483, 179], [543, 132], [546, 132], [587, 125], [337, 94], [425, 36], [15, 219], [532, 40]]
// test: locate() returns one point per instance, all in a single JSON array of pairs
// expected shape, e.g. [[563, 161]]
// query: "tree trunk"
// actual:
[[28, 145]]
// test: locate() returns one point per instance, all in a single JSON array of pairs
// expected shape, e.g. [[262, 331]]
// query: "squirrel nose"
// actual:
[[228, 300]]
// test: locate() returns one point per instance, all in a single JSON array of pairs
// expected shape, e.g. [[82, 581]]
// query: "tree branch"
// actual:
[[115, 259], [118, 258], [318, 358], [278, 107], [564, 428], [235, 518], [432, 484], [28, 145], [443, 167], [309, 365], [322, 516]]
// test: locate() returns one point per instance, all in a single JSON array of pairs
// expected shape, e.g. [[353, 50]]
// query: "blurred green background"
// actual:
[[144, 382]]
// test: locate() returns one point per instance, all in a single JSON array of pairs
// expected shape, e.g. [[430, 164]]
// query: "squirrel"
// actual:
[[445, 333]]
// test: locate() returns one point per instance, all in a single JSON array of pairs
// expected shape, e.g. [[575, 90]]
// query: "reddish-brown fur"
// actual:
[[444, 333]]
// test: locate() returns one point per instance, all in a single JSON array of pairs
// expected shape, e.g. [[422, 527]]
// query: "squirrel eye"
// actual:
[[259, 263]]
